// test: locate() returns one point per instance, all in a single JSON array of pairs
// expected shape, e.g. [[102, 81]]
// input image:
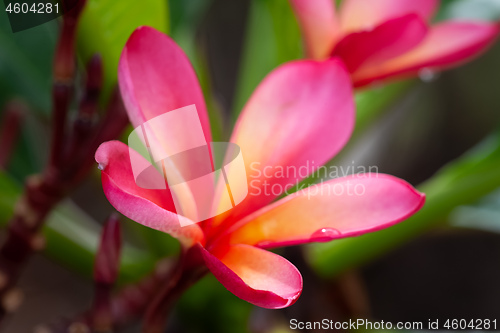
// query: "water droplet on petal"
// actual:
[[101, 166], [427, 75], [325, 235]]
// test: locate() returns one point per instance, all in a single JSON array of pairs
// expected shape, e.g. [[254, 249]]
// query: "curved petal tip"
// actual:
[[255, 275]]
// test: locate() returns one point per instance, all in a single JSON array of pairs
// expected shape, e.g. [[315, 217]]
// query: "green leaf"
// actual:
[[8, 197], [371, 104], [106, 25], [26, 63], [483, 216], [273, 38], [72, 239], [160, 244], [29, 152], [186, 15], [463, 181], [185, 37], [483, 10], [216, 309]]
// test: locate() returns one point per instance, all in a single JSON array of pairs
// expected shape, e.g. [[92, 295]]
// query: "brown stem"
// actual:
[[23, 236], [153, 318], [106, 268], [113, 124], [128, 305], [102, 320], [84, 126], [63, 85], [132, 301], [353, 291], [150, 298], [115, 120], [189, 269], [43, 192]]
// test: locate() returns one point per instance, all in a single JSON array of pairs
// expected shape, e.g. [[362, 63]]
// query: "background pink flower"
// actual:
[[385, 39]]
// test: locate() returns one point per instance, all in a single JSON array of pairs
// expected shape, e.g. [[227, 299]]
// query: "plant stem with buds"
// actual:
[[67, 164]]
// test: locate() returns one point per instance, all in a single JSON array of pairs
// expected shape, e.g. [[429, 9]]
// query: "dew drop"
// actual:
[[325, 235], [101, 166], [427, 75]]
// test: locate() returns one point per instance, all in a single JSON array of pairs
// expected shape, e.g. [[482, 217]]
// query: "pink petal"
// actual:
[[339, 208], [257, 276], [448, 44], [152, 208], [297, 119], [388, 40], [155, 77], [319, 25], [356, 15]]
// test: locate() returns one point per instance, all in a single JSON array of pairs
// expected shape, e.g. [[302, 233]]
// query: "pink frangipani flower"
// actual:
[[302, 111], [386, 39]]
